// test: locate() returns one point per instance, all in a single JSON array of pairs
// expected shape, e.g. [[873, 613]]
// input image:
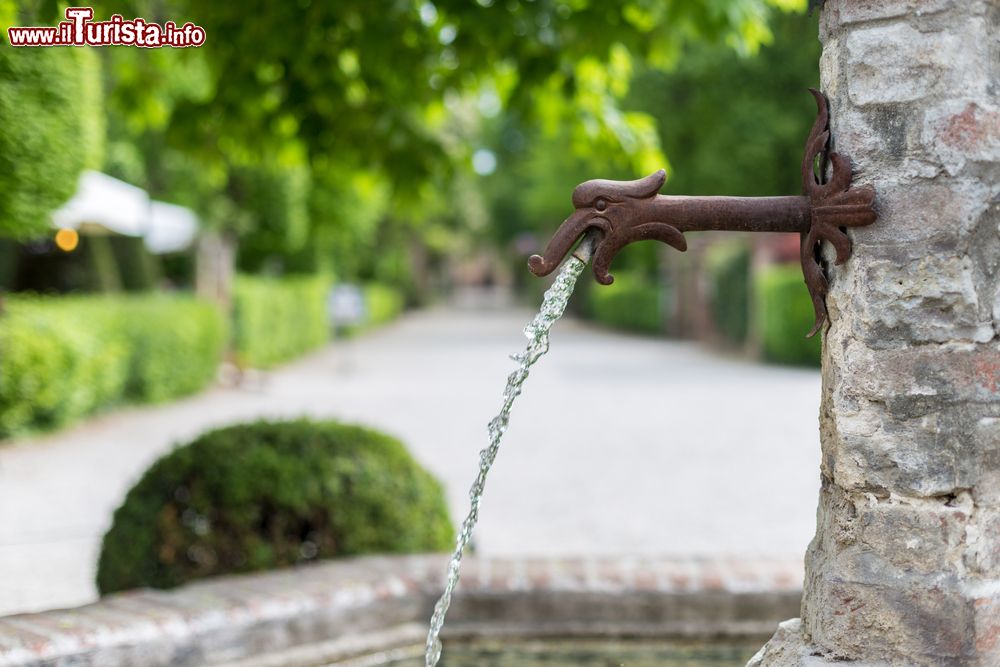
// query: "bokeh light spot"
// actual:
[[484, 162], [67, 240]]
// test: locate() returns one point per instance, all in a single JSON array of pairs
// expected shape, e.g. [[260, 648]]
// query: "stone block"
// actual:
[[869, 538], [927, 538], [962, 131], [932, 623], [987, 490], [898, 63], [934, 213], [912, 381], [882, 140], [859, 11], [983, 554], [930, 298], [987, 611], [912, 424]]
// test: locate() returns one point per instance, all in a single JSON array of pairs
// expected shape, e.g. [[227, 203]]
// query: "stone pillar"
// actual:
[[905, 565]]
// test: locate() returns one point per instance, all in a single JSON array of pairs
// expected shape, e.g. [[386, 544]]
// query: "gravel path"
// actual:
[[618, 445]]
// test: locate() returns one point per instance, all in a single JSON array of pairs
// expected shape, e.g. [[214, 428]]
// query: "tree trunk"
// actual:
[[905, 565], [216, 267]]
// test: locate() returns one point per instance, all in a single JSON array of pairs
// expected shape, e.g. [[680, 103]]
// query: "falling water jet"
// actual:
[[537, 333]]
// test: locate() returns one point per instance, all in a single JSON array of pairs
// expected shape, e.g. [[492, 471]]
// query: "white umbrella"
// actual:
[[103, 201], [171, 228]]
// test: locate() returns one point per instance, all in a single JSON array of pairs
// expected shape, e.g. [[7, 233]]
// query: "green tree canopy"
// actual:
[[731, 124], [396, 91], [734, 125], [361, 82], [51, 128]]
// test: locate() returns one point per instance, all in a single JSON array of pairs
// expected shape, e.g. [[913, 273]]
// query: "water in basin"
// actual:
[[584, 653]]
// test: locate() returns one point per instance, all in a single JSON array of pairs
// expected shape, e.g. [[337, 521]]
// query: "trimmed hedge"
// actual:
[[175, 346], [784, 316], [55, 364], [631, 303], [382, 304], [728, 267], [63, 358], [277, 319], [271, 494]]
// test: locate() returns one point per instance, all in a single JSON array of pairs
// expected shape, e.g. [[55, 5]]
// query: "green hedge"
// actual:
[[175, 345], [277, 319], [56, 364], [63, 358], [728, 267], [784, 314], [382, 304], [271, 494], [631, 303]]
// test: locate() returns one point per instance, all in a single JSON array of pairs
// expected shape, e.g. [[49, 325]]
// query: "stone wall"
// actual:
[[905, 565]]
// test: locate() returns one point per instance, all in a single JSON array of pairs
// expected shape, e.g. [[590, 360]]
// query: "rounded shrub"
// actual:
[[271, 494]]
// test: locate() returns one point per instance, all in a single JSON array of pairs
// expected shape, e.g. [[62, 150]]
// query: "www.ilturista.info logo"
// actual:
[[80, 30]]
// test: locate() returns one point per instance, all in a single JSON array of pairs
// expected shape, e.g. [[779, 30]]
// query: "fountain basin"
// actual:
[[578, 652], [347, 609]]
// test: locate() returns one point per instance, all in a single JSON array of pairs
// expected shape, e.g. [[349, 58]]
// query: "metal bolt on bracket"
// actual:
[[623, 212]]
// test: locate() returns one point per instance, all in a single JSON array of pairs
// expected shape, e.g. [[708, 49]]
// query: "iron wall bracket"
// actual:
[[627, 211]]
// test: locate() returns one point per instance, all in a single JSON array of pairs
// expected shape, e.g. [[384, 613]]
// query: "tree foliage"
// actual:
[[372, 86], [273, 202], [731, 124], [358, 81], [735, 125], [386, 105], [50, 130]]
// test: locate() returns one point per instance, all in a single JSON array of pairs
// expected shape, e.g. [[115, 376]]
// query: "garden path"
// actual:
[[619, 445]]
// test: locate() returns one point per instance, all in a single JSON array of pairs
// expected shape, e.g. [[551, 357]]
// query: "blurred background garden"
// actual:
[[176, 221]]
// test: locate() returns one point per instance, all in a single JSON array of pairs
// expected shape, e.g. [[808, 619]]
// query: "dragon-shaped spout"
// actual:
[[615, 208], [623, 212]]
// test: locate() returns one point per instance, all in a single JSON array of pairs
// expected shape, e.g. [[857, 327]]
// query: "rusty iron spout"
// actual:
[[623, 212]]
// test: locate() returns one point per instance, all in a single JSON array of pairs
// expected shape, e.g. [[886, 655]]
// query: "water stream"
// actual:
[[537, 333]]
